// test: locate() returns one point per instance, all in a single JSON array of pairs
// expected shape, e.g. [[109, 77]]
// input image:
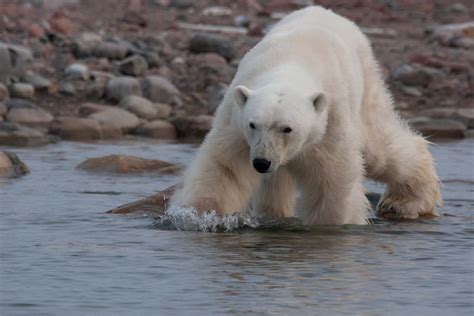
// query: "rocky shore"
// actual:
[[160, 68]]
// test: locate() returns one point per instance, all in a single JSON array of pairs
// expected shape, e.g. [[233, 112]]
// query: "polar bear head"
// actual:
[[279, 122]]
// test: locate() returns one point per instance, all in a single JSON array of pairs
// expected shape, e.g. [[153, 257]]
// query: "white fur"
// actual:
[[314, 73]]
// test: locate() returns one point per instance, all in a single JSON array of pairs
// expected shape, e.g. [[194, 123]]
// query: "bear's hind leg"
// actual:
[[276, 194]]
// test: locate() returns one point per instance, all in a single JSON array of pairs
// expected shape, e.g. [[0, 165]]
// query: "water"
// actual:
[[61, 255]]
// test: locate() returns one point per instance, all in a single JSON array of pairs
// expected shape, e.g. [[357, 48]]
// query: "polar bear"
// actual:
[[308, 112]]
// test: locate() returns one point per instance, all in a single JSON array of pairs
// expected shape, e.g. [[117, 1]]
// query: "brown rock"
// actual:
[[4, 94], [463, 115], [193, 126], [62, 24], [3, 109], [438, 128], [139, 106], [88, 108], [22, 90], [127, 164], [35, 117], [154, 205], [12, 134], [73, 128], [163, 110], [159, 89], [120, 87], [36, 31], [157, 129], [119, 118], [11, 166]]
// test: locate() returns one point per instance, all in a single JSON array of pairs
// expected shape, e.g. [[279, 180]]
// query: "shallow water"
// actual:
[[60, 254]]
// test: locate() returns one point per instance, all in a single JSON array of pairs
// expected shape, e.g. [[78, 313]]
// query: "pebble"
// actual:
[[11, 166], [159, 89], [193, 126], [22, 90], [120, 87], [133, 66], [208, 43], [123, 164], [110, 50], [77, 71], [139, 106], [157, 129]]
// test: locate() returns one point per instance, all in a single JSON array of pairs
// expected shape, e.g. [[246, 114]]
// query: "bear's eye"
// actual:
[[252, 125], [287, 130]]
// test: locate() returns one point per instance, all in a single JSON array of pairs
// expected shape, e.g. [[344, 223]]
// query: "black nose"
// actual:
[[261, 164]]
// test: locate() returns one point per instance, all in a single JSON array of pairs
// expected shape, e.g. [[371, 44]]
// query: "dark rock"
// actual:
[[127, 164], [217, 94], [3, 109], [157, 129], [12, 134], [207, 43], [181, 4], [416, 75], [37, 81], [11, 166], [193, 126], [438, 128], [133, 66], [110, 50], [19, 103], [4, 94]]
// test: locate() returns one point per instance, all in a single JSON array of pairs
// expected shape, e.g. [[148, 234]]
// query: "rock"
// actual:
[[152, 59], [62, 24], [88, 108], [19, 103], [85, 44], [127, 164], [12, 134], [458, 8], [416, 75], [217, 94], [438, 128], [154, 205], [3, 109], [36, 30], [182, 4], [207, 43], [463, 115], [4, 94], [120, 87], [110, 50], [217, 11], [193, 126], [11, 166], [14, 62], [139, 106], [77, 72], [73, 128], [163, 110], [116, 117], [37, 81], [411, 91], [67, 88], [157, 129], [133, 66], [241, 21], [33, 117], [159, 89], [22, 90], [455, 35]]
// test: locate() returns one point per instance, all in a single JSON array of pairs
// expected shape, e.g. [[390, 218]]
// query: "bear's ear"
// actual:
[[241, 94], [319, 100]]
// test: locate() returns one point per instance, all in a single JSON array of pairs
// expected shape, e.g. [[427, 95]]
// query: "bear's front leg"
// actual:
[[332, 191], [220, 179]]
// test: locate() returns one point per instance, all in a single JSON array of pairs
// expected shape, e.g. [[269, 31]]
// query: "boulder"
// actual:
[[159, 89], [12, 134], [88, 108], [157, 129], [127, 164], [14, 62], [438, 128], [193, 126], [22, 90], [208, 43], [139, 106], [4, 94], [34, 117], [11, 166], [118, 118], [133, 66], [73, 128], [84, 44], [120, 87], [163, 110]]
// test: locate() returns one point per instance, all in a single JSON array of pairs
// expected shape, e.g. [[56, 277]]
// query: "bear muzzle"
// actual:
[[261, 165]]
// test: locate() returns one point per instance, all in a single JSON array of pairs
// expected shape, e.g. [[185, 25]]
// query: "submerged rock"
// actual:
[[73, 128], [157, 129], [11, 166], [128, 164]]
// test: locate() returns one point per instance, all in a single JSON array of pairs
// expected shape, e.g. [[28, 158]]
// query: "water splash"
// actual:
[[179, 218]]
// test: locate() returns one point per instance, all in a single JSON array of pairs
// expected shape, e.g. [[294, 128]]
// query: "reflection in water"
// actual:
[[60, 253]]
